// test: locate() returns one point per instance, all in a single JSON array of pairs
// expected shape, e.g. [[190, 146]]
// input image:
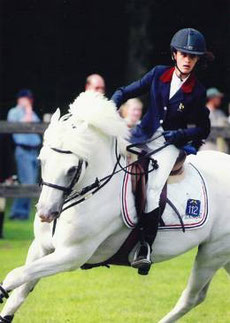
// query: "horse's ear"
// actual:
[[56, 116]]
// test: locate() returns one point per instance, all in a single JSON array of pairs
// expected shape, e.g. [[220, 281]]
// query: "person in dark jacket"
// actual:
[[177, 99]]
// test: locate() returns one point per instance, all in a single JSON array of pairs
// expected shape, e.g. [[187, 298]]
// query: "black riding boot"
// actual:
[[148, 231], [1, 224]]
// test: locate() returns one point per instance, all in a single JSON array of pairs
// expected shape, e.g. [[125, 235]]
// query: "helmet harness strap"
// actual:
[[177, 67]]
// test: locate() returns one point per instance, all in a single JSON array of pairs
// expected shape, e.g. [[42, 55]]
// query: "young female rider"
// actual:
[[177, 99]]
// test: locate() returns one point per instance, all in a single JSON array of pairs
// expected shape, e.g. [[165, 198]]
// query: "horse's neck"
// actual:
[[106, 202], [102, 162]]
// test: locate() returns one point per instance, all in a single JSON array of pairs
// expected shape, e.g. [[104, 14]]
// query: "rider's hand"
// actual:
[[175, 137], [190, 150]]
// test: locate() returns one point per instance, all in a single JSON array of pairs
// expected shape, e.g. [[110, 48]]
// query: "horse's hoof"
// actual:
[[3, 294], [6, 319]]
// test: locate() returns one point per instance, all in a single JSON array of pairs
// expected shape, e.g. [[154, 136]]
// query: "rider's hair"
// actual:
[[202, 64]]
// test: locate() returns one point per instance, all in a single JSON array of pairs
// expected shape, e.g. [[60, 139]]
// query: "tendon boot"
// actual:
[[3, 294], [6, 319], [1, 224], [148, 231]]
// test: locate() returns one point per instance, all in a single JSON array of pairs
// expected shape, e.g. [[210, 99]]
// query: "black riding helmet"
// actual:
[[189, 41]]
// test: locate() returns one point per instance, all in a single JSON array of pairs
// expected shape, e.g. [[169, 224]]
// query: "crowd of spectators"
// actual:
[[18, 154]]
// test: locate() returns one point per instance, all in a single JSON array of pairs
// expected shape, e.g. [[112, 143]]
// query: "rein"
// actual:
[[98, 184]]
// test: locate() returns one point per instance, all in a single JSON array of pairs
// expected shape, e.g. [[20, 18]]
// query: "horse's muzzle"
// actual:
[[50, 217]]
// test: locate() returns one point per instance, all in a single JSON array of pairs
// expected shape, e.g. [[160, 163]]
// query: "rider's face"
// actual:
[[185, 62]]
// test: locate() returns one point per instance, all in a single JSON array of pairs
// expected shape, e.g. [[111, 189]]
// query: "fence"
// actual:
[[19, 190]]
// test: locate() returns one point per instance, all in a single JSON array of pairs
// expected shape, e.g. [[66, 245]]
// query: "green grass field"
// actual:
[[104, 295]]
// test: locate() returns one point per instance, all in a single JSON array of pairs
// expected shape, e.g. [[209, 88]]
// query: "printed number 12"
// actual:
[[193, 210]]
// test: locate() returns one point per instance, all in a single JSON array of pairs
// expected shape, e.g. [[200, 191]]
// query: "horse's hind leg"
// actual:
[[19, 295], [205, 266]]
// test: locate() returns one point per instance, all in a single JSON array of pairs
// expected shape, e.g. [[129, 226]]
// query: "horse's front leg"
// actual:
[[19, 295], [64, 258]]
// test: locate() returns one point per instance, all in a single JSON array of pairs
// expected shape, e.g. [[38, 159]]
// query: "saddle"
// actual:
[[139, 181]]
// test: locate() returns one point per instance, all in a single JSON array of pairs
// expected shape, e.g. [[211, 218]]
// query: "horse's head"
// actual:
[[61, 168], [70, 144]]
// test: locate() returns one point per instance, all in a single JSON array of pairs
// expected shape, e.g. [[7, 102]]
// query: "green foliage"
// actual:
[[113, 295]]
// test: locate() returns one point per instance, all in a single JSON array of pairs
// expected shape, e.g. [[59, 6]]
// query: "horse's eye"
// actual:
[[71, 171]]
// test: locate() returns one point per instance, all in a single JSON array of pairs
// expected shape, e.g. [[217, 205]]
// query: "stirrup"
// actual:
[[142, 260]]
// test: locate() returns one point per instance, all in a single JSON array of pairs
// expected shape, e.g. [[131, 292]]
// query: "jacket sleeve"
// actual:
[[134, 89], [202, 122]]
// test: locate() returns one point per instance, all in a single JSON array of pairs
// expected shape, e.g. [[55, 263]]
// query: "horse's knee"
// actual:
[[188, 301], [200, 298], [194, 299], [202, 295]]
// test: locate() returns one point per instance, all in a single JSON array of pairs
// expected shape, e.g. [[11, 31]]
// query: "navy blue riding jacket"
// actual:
[[186, 107]]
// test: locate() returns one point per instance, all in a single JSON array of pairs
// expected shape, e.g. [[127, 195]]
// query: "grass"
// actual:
[[113, 295]]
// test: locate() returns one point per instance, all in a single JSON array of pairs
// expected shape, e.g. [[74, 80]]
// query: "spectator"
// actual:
[[26, 151], [132, 111], [7, 170], [214, 101], [217, 118], [95, 82]]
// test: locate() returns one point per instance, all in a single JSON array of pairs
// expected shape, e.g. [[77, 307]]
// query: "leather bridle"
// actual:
[[98, 184], [69, 189]]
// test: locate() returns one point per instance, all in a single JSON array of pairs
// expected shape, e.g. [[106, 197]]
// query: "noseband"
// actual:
[[67, 190]]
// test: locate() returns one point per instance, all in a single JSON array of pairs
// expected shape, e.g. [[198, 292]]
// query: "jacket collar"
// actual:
[[188, 85]]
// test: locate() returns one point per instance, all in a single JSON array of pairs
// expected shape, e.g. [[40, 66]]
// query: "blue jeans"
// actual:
[[27, 168]]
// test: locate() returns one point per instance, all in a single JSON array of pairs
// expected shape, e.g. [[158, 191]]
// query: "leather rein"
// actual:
[[98, 184]]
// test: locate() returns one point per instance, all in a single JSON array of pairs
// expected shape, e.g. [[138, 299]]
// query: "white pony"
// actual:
[[93, 231]]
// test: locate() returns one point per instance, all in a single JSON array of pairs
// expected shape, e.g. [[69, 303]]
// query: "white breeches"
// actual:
[[166, 159]]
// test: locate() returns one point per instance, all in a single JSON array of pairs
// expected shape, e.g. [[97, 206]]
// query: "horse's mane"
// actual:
[[90, 110]]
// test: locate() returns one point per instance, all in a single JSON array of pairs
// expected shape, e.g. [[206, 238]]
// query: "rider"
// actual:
[[177, 99]]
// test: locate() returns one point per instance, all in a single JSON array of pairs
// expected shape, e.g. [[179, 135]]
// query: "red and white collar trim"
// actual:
[[186, 87]]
